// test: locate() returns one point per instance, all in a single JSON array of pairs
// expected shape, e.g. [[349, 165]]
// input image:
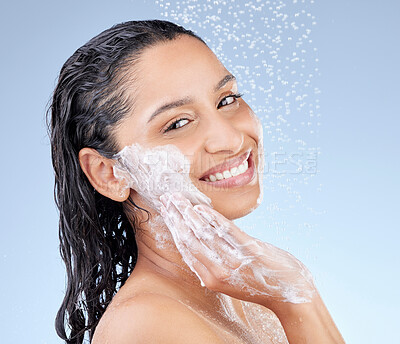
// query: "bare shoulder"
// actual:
[[152, 318]]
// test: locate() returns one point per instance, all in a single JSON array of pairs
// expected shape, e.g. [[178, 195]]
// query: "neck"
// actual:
[[158, 255], [157, 252]]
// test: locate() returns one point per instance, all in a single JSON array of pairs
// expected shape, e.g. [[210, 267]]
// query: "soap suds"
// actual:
[[263, 322], [155, 171], [164, 171], [251, 265], [152, 172], [161, 234]]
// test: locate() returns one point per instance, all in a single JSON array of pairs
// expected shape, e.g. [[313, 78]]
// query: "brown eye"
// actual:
[[225, 100], [179, 123]]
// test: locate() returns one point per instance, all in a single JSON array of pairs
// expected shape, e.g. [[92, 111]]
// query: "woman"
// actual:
[[147, 264]]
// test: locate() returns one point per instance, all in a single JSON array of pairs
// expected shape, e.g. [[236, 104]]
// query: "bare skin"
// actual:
[[163, 300]]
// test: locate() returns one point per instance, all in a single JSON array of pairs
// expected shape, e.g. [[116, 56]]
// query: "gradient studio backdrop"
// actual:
[[323, 77]]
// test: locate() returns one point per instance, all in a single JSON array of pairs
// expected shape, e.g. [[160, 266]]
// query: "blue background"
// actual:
[[342, 221]]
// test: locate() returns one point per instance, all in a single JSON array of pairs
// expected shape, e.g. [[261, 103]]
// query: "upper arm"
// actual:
[[151, 318]]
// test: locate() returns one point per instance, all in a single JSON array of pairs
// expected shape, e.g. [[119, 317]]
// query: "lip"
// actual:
[[241, 179], [227, 165]]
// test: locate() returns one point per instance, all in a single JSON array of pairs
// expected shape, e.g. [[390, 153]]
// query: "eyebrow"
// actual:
[[188, 100]]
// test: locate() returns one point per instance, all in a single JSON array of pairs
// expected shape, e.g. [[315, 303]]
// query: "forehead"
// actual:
[[165, 73], [177, 68]]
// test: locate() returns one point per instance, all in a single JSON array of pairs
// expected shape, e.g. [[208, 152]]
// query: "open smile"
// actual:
[[232, 174]]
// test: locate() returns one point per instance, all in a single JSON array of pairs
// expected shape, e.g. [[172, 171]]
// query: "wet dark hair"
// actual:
[[97, 237]]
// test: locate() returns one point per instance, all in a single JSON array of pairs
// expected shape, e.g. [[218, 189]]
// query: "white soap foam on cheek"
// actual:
[[154, 171]]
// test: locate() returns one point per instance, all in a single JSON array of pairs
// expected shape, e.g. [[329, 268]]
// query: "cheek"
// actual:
[[151, 172], [251, 124]]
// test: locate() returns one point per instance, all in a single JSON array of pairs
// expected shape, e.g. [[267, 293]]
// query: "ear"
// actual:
[[99, 170]]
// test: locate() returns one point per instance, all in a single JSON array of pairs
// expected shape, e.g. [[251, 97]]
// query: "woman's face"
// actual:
[[213, 129]]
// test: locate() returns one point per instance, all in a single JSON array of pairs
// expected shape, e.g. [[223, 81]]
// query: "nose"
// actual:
[[222, 136]]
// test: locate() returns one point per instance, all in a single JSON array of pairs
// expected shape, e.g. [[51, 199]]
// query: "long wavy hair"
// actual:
[[97, 236]]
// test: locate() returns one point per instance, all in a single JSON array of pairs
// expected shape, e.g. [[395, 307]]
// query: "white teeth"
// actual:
[[219, 176], [226, 174], [233, 172]]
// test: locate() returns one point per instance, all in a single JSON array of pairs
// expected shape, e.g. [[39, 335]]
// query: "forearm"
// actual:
[[308, 323]]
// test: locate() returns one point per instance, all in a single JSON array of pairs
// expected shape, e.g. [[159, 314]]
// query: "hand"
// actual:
[[230, 261]]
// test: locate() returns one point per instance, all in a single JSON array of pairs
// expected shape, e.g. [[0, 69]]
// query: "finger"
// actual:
[[208, 265], [224, 225], [180, 201], [176, 224], [218, 255], [182, 232], [195, 220], [204, 231], [241, 241], [209, 237], [196, 266], [210, 218], [199, 225]]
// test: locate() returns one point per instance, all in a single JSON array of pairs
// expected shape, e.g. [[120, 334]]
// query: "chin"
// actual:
[[236, 206]]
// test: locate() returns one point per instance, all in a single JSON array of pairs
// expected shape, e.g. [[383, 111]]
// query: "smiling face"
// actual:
[[187, 98]]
